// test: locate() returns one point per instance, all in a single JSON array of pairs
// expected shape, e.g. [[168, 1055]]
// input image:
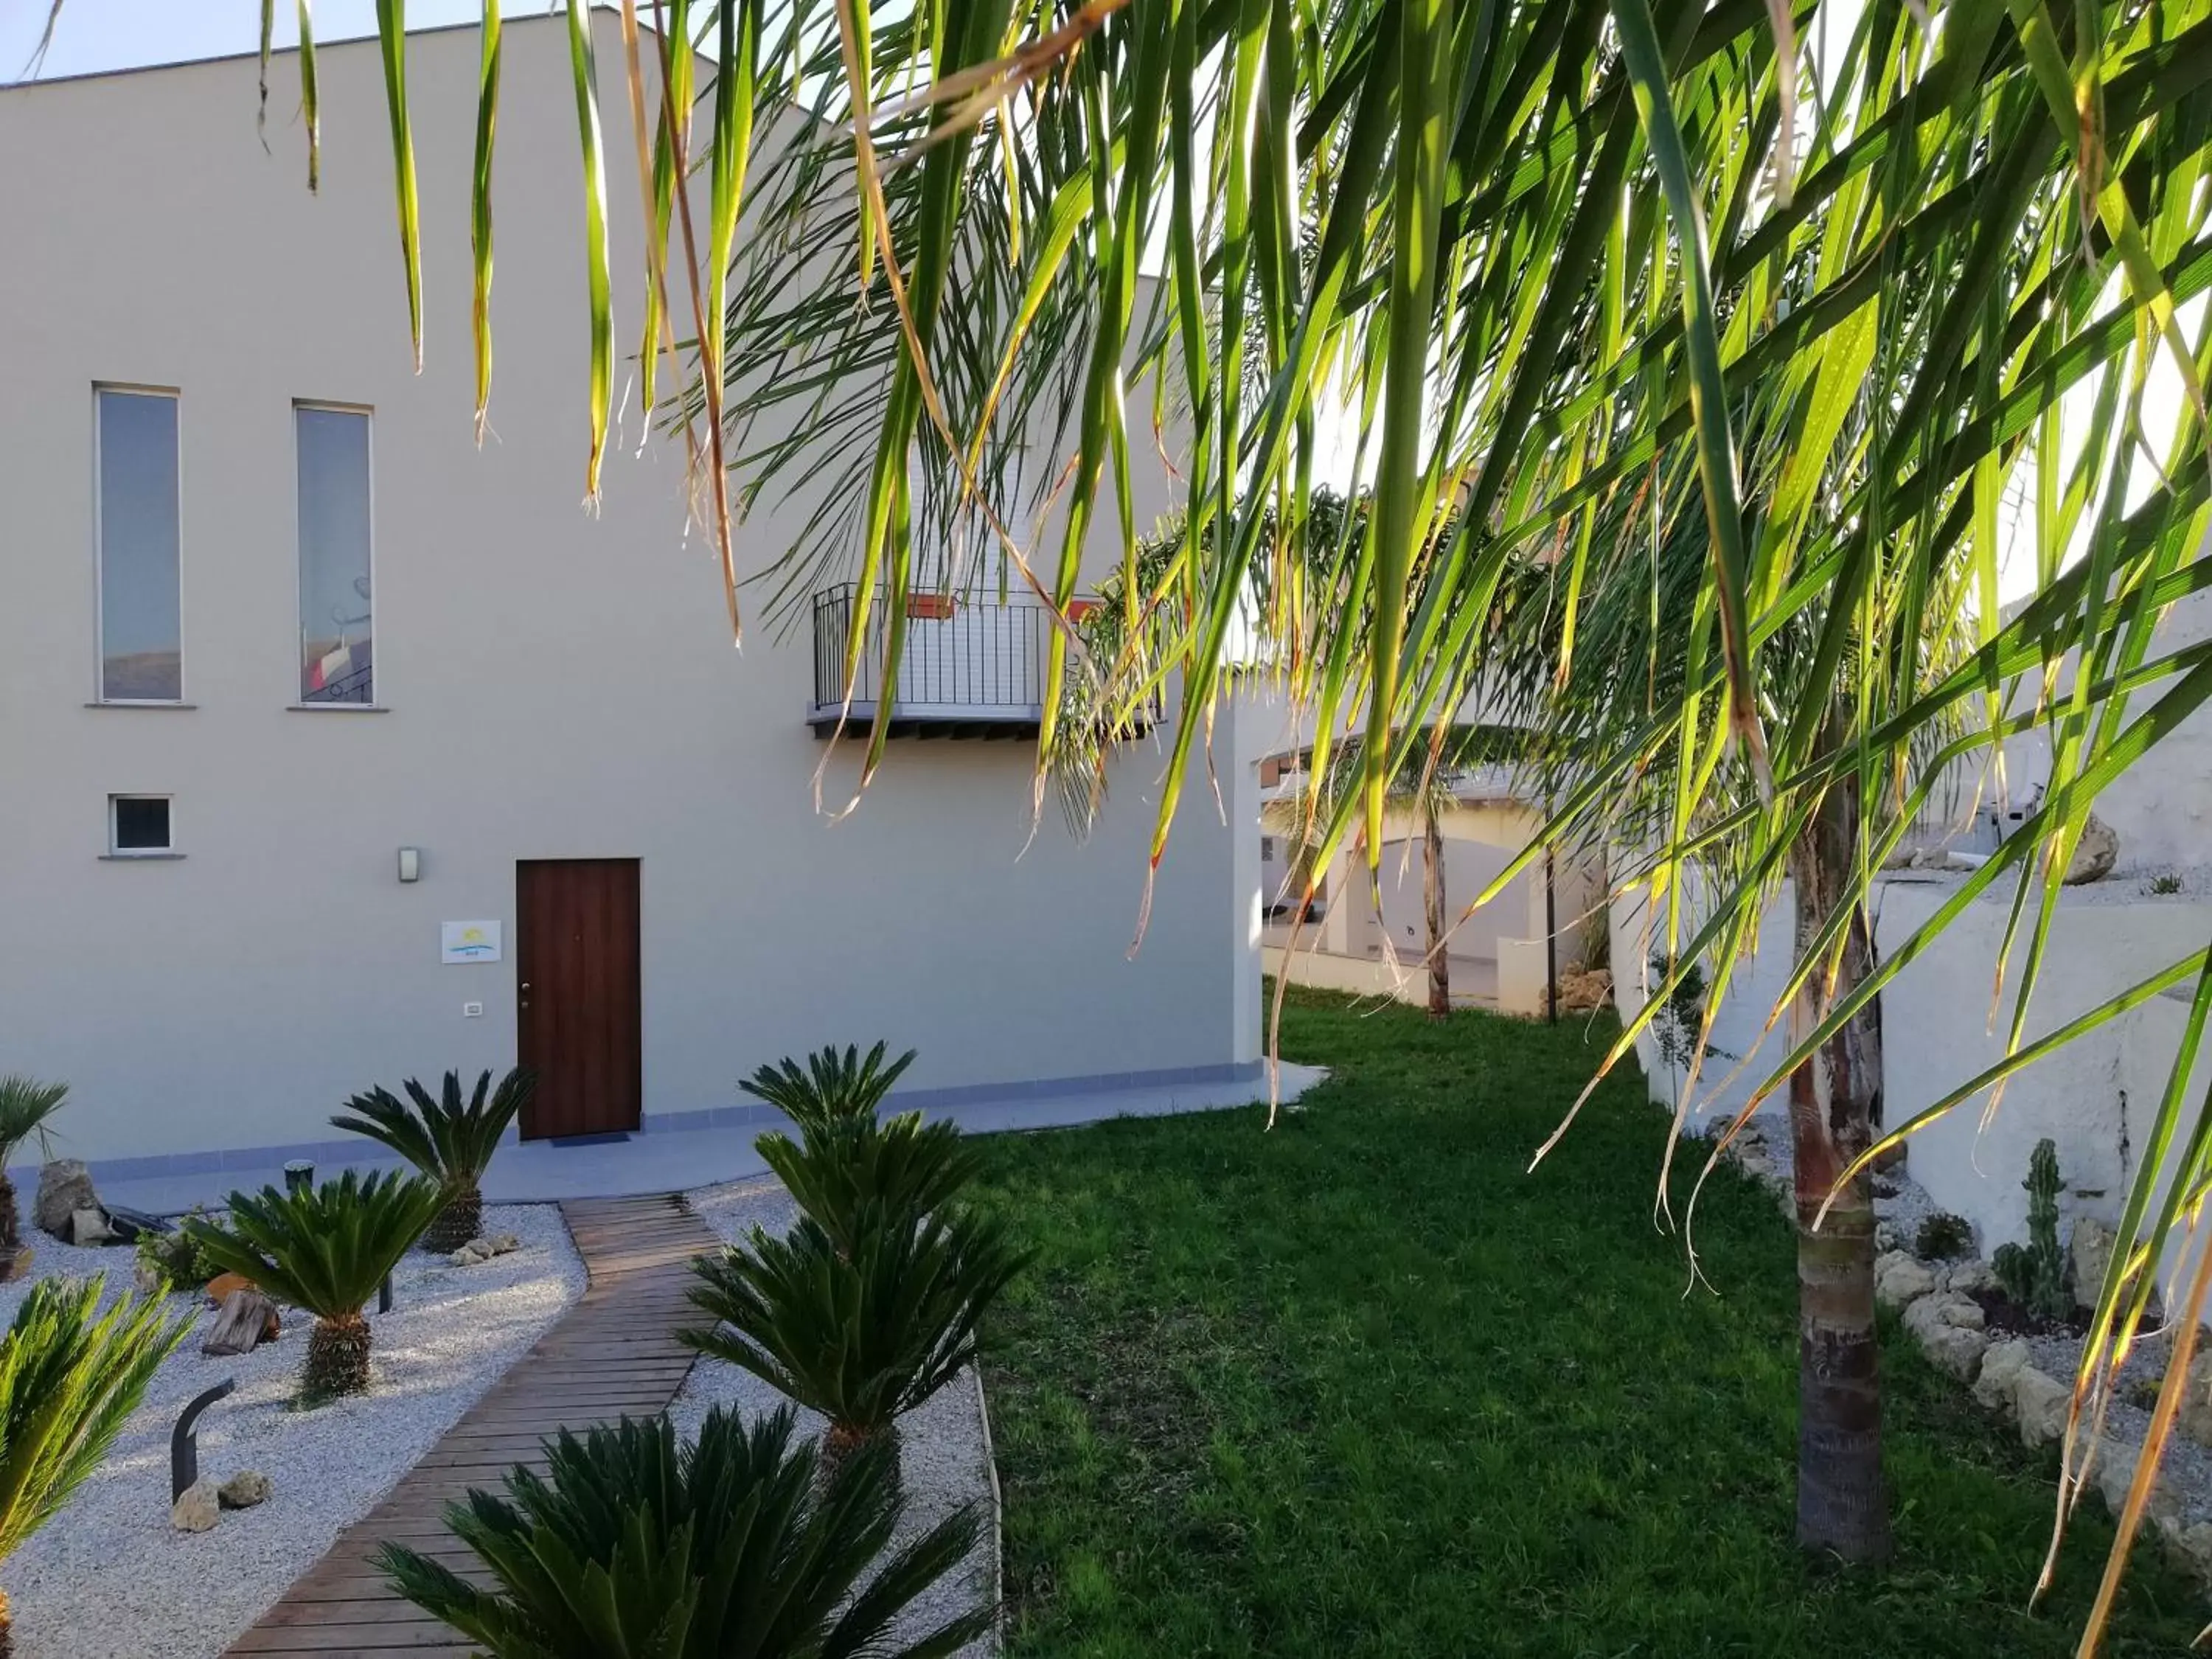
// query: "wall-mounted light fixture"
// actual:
[[411, 864]]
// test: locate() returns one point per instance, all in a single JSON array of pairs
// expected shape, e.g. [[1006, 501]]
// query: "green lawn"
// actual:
[[1363, 1386]]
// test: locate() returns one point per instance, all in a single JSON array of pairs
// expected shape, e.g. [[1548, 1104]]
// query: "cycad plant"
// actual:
[[26, 1105], [69, 1376], [836, 1090], [849, 1175], [325, 1249], [632, 1544], [448, 1139], [860, 1337]]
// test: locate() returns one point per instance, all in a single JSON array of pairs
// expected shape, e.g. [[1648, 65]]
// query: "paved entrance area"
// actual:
[[674, 1160], [615, 1353]]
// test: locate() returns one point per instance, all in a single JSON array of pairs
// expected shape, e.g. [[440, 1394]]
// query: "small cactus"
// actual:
[[2034, 1276]]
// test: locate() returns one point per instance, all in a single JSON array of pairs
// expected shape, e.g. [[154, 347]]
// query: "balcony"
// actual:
[[971, 666]]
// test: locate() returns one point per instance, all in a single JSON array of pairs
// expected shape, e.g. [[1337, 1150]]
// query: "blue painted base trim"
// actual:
[[360, 1149]]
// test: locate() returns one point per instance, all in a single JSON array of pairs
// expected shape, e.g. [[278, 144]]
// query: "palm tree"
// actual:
[[448, 1140], [25, 1106], [631, 1543], [325, 1249], [70, 1377], [1562, 255], [1584, 704]]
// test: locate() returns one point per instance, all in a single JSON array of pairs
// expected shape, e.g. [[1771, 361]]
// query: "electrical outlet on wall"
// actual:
[[472, 1011]]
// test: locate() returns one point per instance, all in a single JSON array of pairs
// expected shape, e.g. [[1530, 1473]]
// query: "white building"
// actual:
[[336, 751]]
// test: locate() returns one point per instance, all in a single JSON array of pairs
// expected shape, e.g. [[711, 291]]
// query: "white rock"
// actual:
[[2090, 1251], [197, 1508], [2195, 1417], [2041, 1401], [2115, 1471], [2194, 1544], [1900, 1279], [64, 1188], [1968, 1276], [89, 1227], [1941, 1323], [1963, 1311], [244, 1490], [2093, 855], [2001, 1368], [503, 1243]]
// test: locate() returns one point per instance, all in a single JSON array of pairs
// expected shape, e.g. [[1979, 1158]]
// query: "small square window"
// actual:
[[138, 825]]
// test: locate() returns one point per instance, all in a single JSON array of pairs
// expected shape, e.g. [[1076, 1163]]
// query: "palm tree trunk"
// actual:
[[461, 1220], [1835, 1108], [337, 1357], [1432, 895], [841, 1445], [7, 1627]]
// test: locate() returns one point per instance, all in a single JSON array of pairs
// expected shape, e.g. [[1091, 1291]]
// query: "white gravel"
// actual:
[[109, 1578], [944, 1459]]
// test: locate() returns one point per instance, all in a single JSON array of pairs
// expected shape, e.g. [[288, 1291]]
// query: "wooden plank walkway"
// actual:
[[614, 1353]]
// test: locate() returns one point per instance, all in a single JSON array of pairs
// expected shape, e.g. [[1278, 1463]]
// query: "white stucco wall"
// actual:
[[559, 685], [2161, 809], [2094, 1098], [1739, 1039]]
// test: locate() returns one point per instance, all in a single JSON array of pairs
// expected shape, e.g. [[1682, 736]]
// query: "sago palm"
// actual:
[[848, 1180], [326, 1250], [836, 1089], [631, 1543], [26, 1105], [447, 1137], [862, 1337], [70, 1377]]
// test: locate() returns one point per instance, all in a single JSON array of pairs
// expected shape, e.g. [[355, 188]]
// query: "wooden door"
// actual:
[[578, 1018]]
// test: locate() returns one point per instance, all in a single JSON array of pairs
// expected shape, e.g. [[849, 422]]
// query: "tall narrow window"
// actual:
[[141, 637], [336, 659]]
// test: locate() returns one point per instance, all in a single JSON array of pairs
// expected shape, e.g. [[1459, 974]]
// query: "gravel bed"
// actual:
[[942, 1457], [109, 1578], [2184, 1468]]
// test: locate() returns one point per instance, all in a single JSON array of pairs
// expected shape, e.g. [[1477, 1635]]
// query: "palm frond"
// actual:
[[835, 1089], [447, 1137], [70, 1377], [633, 1543], [26, 1108]]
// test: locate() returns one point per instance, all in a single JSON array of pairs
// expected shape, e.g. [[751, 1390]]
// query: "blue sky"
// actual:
[[107, 35]]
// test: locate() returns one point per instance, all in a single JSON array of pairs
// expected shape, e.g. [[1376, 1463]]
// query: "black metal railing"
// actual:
[[966, 657]]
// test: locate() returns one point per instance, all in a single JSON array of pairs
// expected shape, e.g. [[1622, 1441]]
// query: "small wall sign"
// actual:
[[468, 941]]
